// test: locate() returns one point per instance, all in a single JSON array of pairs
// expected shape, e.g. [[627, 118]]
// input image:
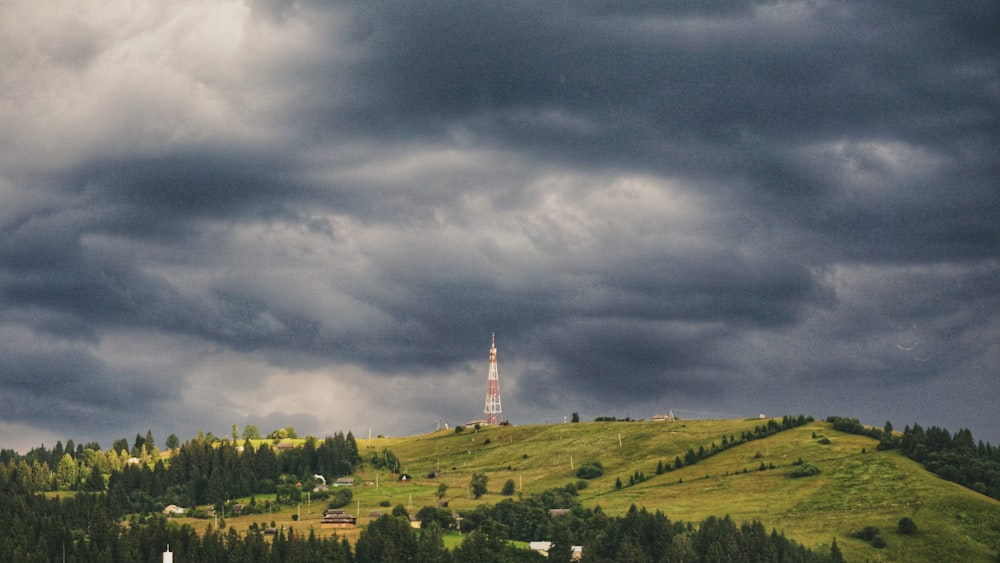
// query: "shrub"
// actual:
[[341, 497], [459, 429], [805, 470], [590, 470], [906, 526], [872, 535]]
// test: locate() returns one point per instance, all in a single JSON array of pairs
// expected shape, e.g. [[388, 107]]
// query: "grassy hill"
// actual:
[[853, 489], [857, 486]]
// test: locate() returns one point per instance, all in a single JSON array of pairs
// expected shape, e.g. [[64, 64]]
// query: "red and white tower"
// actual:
[[493, 412]]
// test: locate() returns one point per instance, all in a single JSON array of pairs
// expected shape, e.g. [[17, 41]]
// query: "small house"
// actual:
[[338, 519], [344, 482]]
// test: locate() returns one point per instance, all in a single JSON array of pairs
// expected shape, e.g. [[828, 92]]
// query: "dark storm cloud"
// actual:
[[728, 205]]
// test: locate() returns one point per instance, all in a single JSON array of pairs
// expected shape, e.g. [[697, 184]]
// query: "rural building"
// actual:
[[344, 482], [336, 518], [174, 509]]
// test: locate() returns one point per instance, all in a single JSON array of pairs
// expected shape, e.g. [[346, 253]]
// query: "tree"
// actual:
[[95, 481], [430, 544], [387, 539], [173, 442], [432, 514], [835, 553], [66, 473], [478, 484], [508, 488], [576, 417], [251, 432], [442, 490], [137, 446]]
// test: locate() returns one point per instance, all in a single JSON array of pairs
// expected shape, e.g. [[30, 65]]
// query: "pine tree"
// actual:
[[835, 554]]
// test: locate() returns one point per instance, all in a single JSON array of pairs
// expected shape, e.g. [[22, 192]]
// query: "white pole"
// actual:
[[571, 462], [619, 439]]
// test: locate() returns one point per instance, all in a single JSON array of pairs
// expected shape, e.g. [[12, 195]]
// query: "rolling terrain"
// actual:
[[856, 487]]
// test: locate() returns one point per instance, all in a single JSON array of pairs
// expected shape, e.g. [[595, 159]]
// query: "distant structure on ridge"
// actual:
[[493, 413]]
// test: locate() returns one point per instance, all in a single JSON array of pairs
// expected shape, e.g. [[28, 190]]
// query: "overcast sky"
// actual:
[[316, 213]]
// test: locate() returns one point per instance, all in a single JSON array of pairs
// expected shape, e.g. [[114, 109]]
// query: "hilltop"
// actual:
[[856, 487]]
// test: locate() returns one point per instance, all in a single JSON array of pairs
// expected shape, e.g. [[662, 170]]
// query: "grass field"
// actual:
[[853, 489]]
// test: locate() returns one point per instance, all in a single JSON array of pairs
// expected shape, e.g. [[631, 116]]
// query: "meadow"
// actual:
[[857, 486]]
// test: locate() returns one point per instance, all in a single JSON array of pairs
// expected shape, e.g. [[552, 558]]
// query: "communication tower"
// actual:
[[493, 412]]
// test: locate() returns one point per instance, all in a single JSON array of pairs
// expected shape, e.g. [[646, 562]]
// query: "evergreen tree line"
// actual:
[[759, 432], [199, 471], [639, 536], [956, 457]]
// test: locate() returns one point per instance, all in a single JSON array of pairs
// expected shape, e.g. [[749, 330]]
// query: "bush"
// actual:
[[872, 535], [906, 526], [805, 470], [341, 497], [590, 470]]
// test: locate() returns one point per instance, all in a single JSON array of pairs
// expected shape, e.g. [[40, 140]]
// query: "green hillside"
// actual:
[[857, 486]]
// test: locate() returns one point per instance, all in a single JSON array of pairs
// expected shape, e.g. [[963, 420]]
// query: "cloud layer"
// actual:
[[316, 213]]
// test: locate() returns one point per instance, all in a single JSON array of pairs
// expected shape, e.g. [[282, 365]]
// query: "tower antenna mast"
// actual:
[[493, 413]]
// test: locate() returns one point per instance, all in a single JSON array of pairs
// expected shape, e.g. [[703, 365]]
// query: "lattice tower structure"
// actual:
[[493, 413]]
